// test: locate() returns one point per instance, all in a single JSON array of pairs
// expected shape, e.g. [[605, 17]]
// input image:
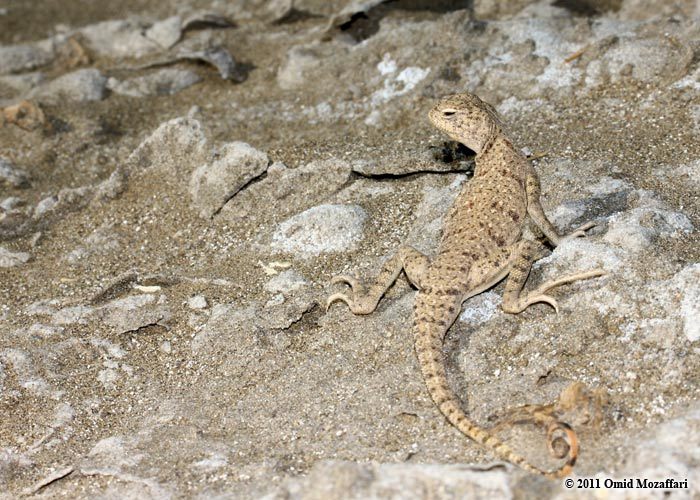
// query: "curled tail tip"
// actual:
[[573, 447]]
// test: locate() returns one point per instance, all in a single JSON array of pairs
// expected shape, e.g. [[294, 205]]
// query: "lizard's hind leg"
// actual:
[[514, 299], [364, 300]]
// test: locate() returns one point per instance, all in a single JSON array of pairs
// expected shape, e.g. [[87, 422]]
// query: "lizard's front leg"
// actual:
[[536, 213], [524, 254], [363, 300]]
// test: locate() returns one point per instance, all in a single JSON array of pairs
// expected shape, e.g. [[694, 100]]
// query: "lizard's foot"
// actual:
[[594, 273], [354, 283], [360, 303], [580, 231], [532, 298], [539, 295]]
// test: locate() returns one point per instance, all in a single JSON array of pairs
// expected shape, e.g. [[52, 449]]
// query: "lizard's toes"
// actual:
[[344, 278], [580, 231], [547, 299], [338, 297]]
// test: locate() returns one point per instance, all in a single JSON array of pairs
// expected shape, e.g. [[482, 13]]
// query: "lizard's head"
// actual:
[[466, 119]]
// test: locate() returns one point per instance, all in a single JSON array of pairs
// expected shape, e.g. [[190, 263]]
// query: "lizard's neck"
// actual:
[[495, 143]]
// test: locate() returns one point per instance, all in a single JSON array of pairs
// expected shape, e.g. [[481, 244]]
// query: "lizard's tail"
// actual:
[[430, 357]]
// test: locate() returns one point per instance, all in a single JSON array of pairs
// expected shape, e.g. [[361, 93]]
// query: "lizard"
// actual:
[[481, 244]]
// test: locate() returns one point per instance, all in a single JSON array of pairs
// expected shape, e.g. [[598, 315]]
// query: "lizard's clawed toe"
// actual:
[[344, 278], [547, 299], [580, 231], [338, 297]]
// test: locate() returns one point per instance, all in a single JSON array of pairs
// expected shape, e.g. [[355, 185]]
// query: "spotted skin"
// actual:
[[481, 244]]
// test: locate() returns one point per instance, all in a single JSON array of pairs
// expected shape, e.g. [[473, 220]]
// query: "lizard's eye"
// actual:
[[448, 112]]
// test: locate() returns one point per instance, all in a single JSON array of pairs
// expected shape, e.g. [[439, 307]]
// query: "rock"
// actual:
[[174, 148], [119, 39], [218, 57], [12, 203], [22, 84], [167, 32], [213, 184], [493, 9], [321, 229], [639, 227], [25, 114], [166, 81], [293, 72], [102, 241], [284, 191], [480, 309], [130, 313], [111, 187], [687, 285], [81, 85], [670, 450], [229, 325], [15, 177], [17, 58], [285, 282], [13, 259], [333, 480], [642, 59], [197, 302], [67, 200], [399, 83], [278, 10]]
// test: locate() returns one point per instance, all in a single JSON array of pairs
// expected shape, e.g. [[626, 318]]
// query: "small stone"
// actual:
[[17, 58], [15, 177], [293, 72], [81, 85], [167, 32], [285, 282], [119, 39], [25, 114], [213, 184], [12, 203], [175, 147], [23, 83], [167, 81], [638, 228], [285, 191], [218, 57], [13, 259], [321, 229], [197, 302], [133, 312]]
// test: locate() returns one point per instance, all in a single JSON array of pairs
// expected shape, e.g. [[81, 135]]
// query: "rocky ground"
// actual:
[[178, 184]]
